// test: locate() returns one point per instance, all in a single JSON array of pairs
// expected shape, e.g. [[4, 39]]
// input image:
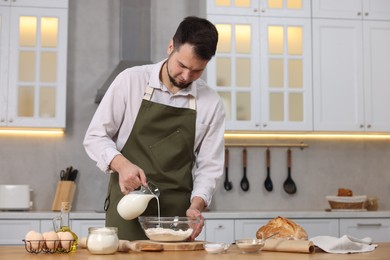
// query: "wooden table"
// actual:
[[19, 253]]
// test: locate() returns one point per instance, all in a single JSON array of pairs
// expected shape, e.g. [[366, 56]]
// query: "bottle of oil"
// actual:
[[61, 224]]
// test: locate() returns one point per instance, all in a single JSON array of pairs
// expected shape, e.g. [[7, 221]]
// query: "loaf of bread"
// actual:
[[285, 229], [344, 192]]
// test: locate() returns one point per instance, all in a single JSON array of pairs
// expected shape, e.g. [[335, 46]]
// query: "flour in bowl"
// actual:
[[168, 235]]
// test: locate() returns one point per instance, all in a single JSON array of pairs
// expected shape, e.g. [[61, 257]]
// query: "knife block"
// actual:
[[64, 193]]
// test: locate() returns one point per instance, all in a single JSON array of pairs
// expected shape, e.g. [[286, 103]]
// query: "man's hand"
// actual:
[[197, 205], [130, 175]]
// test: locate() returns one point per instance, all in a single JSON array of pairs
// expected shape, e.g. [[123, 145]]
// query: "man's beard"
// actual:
[[175, 83]]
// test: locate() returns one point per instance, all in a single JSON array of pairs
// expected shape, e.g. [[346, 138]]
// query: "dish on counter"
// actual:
[[249, 245], [215, 248]]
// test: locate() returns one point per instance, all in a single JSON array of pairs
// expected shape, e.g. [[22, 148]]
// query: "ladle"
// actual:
[[289, 185], [227, 184], [244, 181], [268, 182]]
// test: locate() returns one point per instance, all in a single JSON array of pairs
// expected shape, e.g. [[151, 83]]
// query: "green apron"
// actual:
[[161, 143]]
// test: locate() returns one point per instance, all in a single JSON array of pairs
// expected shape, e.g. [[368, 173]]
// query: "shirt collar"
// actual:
[[154, 81]]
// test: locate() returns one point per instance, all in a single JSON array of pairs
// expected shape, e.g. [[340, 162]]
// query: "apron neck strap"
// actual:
[[149, 93]]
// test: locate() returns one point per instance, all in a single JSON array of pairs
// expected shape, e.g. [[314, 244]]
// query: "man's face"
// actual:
[[183, 66]]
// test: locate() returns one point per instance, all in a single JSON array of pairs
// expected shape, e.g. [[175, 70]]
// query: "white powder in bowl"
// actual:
[[168, 235]]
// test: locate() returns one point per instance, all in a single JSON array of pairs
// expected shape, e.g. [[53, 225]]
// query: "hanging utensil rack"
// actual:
[[268, 145]]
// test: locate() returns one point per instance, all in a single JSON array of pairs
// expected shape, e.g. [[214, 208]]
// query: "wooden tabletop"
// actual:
[[19, 253]]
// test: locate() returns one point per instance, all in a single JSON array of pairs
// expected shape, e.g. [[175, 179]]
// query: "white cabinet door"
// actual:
[[218, 230], [319, 227], [247, 228], [80, 227], [337, 9], [377, 229], [352, 9], [46, 225], [286, 74], [12, 232], [338, 75], [33, 63], [376, 36], [234, 71]]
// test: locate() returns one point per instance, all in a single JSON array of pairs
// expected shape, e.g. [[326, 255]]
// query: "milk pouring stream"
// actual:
[[135, 203]]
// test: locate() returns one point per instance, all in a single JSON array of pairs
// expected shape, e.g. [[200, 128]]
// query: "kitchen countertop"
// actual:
[[19, 252], [210, 214]]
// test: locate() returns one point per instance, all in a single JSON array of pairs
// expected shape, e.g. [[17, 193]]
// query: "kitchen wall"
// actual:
[[94, 51]]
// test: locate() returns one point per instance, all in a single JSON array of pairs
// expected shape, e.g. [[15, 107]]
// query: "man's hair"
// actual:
[[198, 32]]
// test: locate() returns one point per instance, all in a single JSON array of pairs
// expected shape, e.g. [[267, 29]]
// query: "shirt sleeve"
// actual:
[[209, 163], [100, 139]]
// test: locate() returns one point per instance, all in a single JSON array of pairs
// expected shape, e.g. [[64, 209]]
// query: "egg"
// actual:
[[51, 239], [34, 240], [66, 239]]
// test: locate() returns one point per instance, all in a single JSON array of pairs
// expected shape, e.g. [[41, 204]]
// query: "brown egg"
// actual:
[[34, 240], [51, 239], [66, 239]]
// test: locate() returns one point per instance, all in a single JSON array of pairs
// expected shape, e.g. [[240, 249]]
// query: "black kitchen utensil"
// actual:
[[73, 175], [268, 182], [227, 184], [244, 181], [289, 185]]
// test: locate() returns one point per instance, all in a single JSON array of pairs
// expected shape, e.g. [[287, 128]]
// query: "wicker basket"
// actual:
[[353, 202]]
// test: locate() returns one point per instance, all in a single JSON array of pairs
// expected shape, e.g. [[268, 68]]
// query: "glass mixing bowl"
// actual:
[[168, 229]]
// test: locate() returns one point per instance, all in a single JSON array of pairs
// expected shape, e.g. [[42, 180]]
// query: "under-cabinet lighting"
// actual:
[[32, 132], [303, 136]]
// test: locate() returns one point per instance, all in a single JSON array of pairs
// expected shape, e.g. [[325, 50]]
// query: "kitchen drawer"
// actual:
[[220, 230], [319, 227], [376, 228], [12, 232], [247, 228]]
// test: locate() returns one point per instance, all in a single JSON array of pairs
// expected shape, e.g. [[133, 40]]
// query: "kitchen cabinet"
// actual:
[[352, 9], [280, 8], [33, 58], [378, 229], [13, 231], [262, 72], [220, 230], [350, 61], [320, 227], [247, 228]]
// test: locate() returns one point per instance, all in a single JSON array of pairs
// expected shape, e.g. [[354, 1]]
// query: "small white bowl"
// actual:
[[216, 248], [250, 245]]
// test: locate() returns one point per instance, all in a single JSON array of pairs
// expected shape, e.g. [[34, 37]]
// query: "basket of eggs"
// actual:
[[345, 200], [49, 242]]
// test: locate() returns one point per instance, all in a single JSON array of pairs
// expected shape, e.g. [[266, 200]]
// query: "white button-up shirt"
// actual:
[[115, 116]]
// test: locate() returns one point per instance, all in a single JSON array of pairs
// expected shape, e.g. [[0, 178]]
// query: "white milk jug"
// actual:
[[135, 203]]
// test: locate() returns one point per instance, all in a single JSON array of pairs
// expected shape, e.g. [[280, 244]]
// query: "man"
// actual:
[[162, 123]]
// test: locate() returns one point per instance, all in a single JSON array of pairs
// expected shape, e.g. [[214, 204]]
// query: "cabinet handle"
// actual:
[[359, 13], [361, 126], [368, 126], [264, 125], [11, 120], [366, 14], [220, 227], [369, 224], [255, 10]]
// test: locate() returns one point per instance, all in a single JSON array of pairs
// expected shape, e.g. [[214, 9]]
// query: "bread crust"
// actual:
[[286, 229], [344, 192]]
